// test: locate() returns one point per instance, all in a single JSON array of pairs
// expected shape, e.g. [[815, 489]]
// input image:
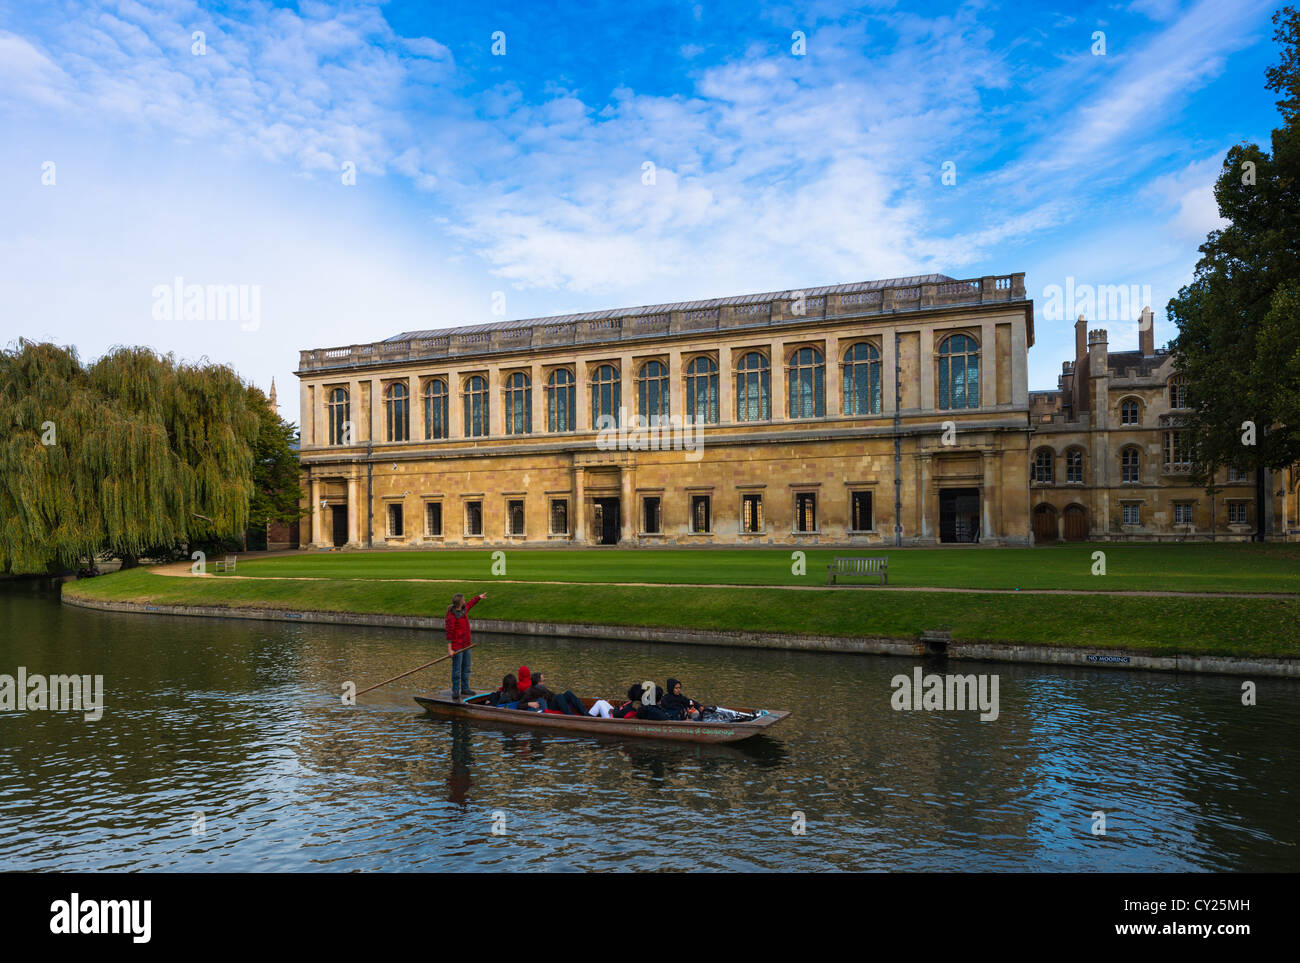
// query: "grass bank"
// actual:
[[1159, 626]]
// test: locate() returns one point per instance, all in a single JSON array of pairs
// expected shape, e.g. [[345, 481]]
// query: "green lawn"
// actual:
[[1209, 626], [1129, 567]]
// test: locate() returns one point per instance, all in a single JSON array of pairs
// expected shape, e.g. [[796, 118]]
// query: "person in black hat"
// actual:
[[677, 706]]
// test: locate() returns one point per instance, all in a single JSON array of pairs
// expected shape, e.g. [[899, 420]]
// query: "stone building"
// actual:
[[1109, 459], [858, 414]]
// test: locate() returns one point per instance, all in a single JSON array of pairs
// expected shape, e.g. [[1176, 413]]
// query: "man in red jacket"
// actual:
[[458, 643]]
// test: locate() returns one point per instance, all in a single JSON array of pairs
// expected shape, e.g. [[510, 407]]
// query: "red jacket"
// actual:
[[458, 627]]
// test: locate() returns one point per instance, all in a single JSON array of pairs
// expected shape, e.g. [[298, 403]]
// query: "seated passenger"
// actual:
[[565, 702], [507, 695], [650, 709], [629, 708], [677, 706]]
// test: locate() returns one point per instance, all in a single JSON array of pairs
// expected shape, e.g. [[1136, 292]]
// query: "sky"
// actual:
[[358, 170]]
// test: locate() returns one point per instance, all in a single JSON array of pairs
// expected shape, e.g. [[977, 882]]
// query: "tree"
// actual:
[[277, 492], [1239, 340], [132, 453]]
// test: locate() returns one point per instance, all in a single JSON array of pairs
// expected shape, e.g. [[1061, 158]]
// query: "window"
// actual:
[[959, 373], [1182, 513], [1132, 513], [1043, 466], [1237, 513], [806, 384], [650, 515], [477, 422], [652, 393], [559, 401], [433, 518], [1178, 453], [805, 512], [394, 521], [700, 515], [473, 518], [1130, 465], [862, 380], [397, 409], [751, 513], [519, 405], [1178, 392], [435, 409], [1236, 474], [340, 415], [559, 516], [1128, 413], [1074, 466], [605, 397], [753, 388], [515, 516], [702, 391], [860, 508]]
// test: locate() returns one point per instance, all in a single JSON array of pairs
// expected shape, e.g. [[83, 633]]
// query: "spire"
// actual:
[[271, 400]]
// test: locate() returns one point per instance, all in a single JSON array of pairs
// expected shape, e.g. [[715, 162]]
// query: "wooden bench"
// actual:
[[866, 567], [227, 564]]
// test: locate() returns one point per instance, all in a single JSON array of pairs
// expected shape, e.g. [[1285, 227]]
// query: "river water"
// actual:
[[224, 745]]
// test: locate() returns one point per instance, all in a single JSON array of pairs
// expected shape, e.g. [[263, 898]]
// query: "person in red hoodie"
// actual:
[[458, 643]]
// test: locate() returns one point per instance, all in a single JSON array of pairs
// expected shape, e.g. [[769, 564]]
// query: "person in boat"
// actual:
[[679, 707], [647, 709], [458, 642], [629, 708], [509, 696], [565, 702]]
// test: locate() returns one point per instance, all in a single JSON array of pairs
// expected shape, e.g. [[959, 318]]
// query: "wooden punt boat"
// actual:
[[477, 708]]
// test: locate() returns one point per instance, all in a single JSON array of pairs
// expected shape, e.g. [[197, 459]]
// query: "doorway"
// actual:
[[1045, 523], [340, 523], [1076, 523], [605, 520], [959, 515]]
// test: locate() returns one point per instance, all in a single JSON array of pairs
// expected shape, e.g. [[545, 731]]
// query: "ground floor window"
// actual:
[[860, 506], [433, 518], [805, 512], [394, 521], [515, 516], [701, 516], [1183, 513], [751, 510], [473, 518], [559, 516], [1237, 513], [1132, 513], [650, 517]]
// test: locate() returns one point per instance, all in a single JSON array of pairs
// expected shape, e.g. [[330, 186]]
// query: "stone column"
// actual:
[[777, 362], [377, 411], [414, 409], [676, 394], [307, 413], [888, 361], [578, 521], [315, 512], [925, 362], [1019, 365], [581, 396], [496, 403], [726, 385], [989, 362], [537, 403], [354, 512], [625, 505], [834, 401], [923, 495], [626, 391], [988, 494], [455, 406]]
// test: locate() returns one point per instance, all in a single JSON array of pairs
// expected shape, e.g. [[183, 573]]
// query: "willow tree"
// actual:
[[133, 453]]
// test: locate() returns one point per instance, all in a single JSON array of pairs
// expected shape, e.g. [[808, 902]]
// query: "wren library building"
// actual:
[[874, 413]]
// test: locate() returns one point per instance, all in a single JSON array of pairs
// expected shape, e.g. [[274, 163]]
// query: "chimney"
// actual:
[[1098, 358], [1080, 365], [1147, 333]]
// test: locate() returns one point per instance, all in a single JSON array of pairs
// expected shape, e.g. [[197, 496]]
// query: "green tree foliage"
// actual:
[[133, 452], [1239, 333], [276, 490]]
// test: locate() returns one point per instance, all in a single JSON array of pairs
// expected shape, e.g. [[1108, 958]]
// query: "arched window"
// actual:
[[1130, 466], [1129, 413], [1074, 466], [652, 393], [959, 373], [862, 380], [397, 411], [340, 417], [702, 391], [753, 388], [519, 404], [1178, 392], [806, 384], [559, 401], [477, 422], [1043, 466], [435, 409], [605, 390]]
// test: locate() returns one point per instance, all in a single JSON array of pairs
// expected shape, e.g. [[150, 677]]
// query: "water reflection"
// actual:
[[243, 723]]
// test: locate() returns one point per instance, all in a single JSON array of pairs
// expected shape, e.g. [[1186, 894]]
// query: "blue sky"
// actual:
[[522, 172]]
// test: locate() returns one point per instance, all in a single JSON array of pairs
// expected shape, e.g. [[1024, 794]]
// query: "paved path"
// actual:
[[182, 570]]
